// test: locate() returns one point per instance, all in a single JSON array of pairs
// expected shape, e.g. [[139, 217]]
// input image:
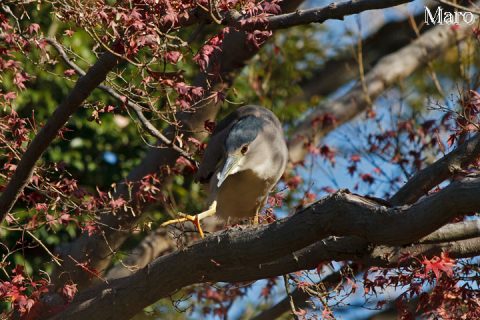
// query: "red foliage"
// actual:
[[439, 264], [21, 292]]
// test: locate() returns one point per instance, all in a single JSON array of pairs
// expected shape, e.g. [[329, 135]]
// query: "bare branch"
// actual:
[[146, 124], [218, 257], [343, 67], [455, 231], [84, 86], [422, 182], [388, 71], [333, 11]]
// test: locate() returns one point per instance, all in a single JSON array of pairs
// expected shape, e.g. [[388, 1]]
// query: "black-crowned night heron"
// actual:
[[244, 160]]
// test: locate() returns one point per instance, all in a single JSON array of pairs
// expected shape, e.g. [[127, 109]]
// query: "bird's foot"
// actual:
[[194, 219], [186, 217]]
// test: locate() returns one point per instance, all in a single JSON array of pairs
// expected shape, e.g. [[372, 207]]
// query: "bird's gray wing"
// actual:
[[214, 152]]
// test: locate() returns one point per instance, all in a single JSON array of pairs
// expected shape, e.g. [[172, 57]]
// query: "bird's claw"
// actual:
[[186, 217]]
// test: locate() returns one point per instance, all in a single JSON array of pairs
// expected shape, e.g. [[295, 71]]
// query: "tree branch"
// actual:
[[386, 73], [423, 181], [218, 257], [343, 67], [455, 231], [83, 87], [146, 124], [336, 11], [357, 249]]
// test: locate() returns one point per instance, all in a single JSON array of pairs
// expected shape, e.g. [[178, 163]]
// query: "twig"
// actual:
[[55, 259], [146, 124], [289, 294]]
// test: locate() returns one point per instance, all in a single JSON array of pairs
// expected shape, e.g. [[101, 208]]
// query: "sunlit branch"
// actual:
[[218, 257], [386, 73]]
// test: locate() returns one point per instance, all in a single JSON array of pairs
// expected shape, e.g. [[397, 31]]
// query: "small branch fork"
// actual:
[[146, 124]]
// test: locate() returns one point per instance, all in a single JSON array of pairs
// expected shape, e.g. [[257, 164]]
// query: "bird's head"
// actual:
[[240, 145]]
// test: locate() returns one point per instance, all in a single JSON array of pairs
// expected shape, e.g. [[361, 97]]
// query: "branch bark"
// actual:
[[388, 71], [336, 11], [356, 249], [218, 257], [455, 231]]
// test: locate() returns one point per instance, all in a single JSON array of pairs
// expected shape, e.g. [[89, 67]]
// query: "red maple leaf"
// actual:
[[439, 264]]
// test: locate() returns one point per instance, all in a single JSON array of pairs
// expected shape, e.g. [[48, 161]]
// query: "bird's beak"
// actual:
[[230, 167]]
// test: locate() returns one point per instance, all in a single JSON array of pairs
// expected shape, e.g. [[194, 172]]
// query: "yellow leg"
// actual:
[[255, 219], [194, 219]]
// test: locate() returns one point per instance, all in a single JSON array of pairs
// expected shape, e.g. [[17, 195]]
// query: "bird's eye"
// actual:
[[244, 149]]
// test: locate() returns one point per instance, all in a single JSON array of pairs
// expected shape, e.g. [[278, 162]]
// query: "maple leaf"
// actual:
[[19, 80], [69, 33], [367, 177], [173, 56], [439, 264], [33, 28], [69, 291], [69, 72]]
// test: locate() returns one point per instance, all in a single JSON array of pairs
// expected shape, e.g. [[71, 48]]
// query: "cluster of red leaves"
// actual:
[[24, 295], [435, 282], [14, 135], [202, 58], [217, 300], [146, 32], [14, 131], [257, 14], [467, 119], [13, 42], [21, 292]]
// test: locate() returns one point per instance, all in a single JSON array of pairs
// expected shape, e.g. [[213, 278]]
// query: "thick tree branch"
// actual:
[[214, 258], [153, 245], [388, 71], [455, 231], [336, 11], [350, 248], [83, 87], [343, 67]]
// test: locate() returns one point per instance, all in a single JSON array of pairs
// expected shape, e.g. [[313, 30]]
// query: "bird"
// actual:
[[244, 159]]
